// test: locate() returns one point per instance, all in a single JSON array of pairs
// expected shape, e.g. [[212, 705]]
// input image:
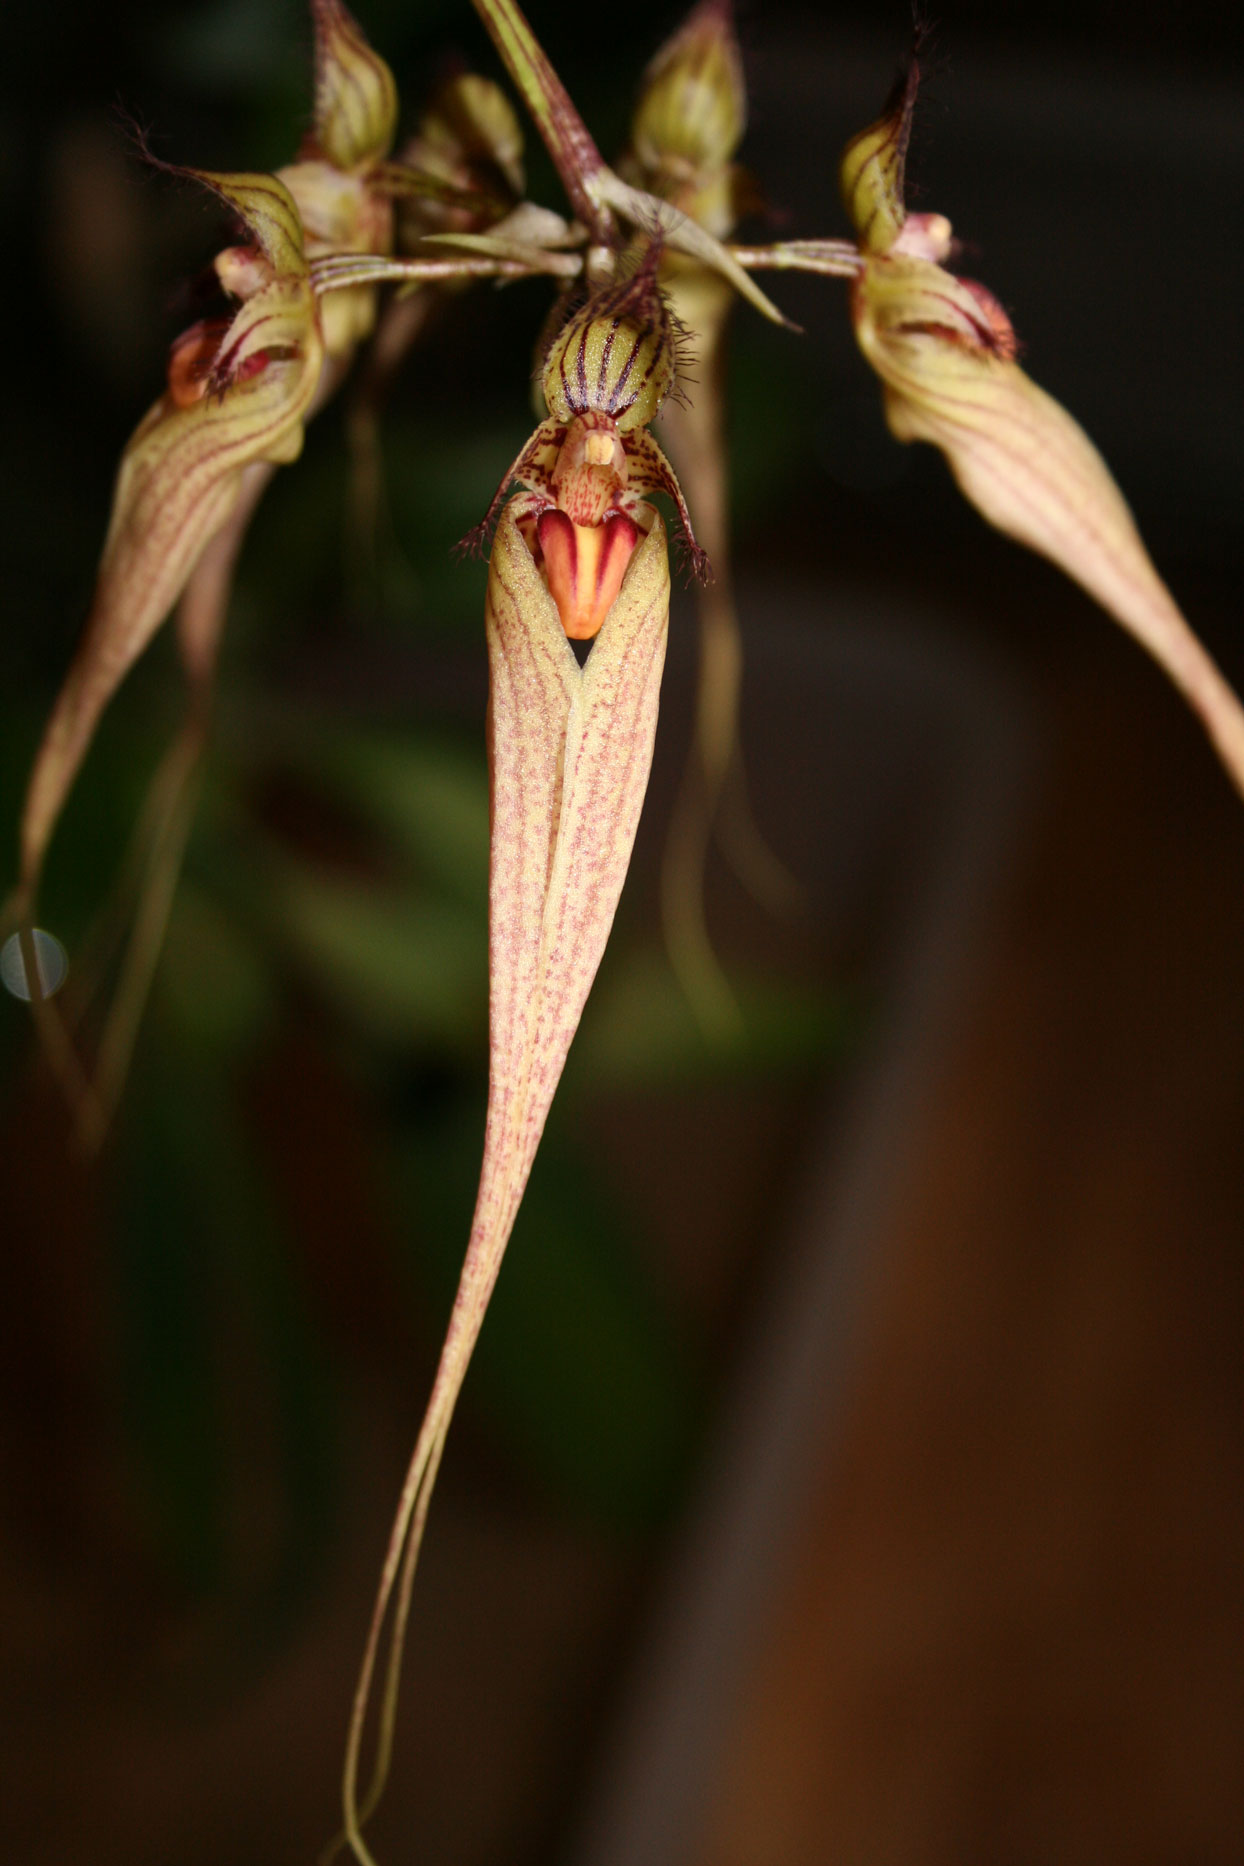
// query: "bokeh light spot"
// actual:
[[50, 956]]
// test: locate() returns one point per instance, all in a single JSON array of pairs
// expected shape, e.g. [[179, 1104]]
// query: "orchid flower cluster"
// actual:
[[646, 274]]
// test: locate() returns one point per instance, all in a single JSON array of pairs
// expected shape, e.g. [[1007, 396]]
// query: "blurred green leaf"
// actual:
[[216, 989], [406, 964], [430, 797], [640, 1030]]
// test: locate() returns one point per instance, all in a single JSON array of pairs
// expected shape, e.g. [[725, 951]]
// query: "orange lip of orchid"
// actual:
[[584, 566], [588, 467], [584, 542], [192, 359]]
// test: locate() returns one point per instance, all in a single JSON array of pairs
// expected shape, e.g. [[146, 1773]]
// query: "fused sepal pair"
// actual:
[[578, 554], [570, 749]]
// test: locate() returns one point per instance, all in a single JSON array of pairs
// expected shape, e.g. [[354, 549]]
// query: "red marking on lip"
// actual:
[[584, 566]]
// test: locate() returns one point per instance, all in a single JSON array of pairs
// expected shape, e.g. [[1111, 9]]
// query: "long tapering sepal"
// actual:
[[571, 750]]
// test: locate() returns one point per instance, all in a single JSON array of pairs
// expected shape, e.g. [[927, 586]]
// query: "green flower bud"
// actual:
[[355, 96], [470, 127], [693, 106], [873, 169]]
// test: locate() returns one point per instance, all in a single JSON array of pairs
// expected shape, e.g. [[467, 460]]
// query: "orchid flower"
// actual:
[[341, 189], [945, 351], [579, 556], [238, 392]]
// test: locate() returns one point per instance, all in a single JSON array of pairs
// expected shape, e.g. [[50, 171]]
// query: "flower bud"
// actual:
[[334, 183], [468, 135], [693, 105], [355, 96], [873, 170]]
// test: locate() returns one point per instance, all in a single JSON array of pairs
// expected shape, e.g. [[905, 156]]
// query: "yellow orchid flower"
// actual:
[[239, 389], [237, 393]]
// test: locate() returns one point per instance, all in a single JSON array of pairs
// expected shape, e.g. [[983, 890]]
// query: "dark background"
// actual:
[[1029, 1511]]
